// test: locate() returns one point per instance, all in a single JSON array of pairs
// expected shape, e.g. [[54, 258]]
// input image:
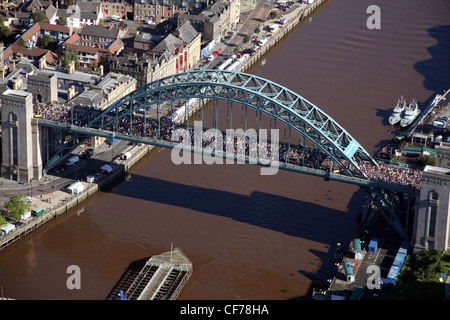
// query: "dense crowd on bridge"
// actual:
[[393, 174], [287, 153]]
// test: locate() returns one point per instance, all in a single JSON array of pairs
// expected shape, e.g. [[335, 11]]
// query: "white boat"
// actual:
[[412, 111], [396, 115]]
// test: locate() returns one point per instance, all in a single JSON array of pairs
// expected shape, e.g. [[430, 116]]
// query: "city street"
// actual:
[[56, 181], [254, 14]]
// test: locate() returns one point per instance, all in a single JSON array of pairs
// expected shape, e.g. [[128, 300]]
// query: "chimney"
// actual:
[[71, 68], [71, 92], [17, 83], [12, 64], [42, 62]]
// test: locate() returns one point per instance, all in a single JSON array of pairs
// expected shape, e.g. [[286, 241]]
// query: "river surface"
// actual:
[[250, 236]]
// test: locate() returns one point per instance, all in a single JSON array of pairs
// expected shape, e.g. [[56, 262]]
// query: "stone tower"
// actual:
[[20, 137], [44, 87], [432, 215]]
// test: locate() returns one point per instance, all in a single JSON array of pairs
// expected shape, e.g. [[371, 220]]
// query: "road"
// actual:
[[56, 181], [254, 14]]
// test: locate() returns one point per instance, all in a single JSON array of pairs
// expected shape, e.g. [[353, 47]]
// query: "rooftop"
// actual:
[[100, 31], [437, 170], [19, 93]]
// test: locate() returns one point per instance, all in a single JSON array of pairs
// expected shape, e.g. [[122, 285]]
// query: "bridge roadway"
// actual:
[[365, 183]]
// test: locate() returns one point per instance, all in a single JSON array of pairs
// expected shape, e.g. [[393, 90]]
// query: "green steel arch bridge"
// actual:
[[314, 128]]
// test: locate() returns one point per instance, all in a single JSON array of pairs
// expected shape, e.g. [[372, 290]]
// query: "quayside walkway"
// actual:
[[162, 278]]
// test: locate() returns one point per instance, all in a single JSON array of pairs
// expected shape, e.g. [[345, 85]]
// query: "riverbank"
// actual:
[[58, 201]]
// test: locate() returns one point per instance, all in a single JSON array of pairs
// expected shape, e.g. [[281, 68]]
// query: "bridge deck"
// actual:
[[281, 165]]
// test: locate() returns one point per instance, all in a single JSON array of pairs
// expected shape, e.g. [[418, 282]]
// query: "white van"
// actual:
[[72, 160], [438, 124]]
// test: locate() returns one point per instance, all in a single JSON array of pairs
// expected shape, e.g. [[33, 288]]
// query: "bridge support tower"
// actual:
[[432, 216], [21, 149]]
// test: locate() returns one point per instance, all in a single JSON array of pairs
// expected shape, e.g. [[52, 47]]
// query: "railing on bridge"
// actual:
[[291, 157], [299, 136]]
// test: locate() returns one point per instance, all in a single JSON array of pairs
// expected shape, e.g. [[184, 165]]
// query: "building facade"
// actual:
[[157, 11], [44, 87], [20, 138], [432, 215]]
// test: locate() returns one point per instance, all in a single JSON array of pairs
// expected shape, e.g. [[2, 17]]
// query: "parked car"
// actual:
[[438, 124]]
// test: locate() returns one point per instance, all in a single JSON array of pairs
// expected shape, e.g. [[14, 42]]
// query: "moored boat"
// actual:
[[397, 114], [412, 111]]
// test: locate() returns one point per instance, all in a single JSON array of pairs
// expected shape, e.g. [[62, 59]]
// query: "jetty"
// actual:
[[162, 277]]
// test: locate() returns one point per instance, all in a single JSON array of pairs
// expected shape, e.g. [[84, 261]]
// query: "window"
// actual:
[[432, 222], [434, 195]]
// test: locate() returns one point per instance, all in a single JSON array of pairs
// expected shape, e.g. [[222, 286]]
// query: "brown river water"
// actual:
[[250, 236]]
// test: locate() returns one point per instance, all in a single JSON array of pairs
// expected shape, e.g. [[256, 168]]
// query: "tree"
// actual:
[[17, 206], [246, 39], [21, 42], [40, 17], [257, 30], [427, 160], [46, 42], [2, 220], [273, 15], [5, 32], [69, 56], [62, 21]]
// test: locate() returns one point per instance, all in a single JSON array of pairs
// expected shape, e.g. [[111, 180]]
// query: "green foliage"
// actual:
[[417, 279], [17, 206], [273, 15], [2, 220], [69, 56], [46, 42], [246, 39], [5, 32], [21, 42], [62, 21], [427, 160], [257, 30], [40, 17]]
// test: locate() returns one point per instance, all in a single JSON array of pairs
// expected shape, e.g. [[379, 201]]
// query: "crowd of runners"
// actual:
[[286, 153]]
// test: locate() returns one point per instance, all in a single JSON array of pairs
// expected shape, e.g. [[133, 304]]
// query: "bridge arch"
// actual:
[[252, 91]]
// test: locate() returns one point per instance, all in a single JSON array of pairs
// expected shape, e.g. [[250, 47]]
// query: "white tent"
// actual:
[[76, 188], [26, 215], [7, 228]]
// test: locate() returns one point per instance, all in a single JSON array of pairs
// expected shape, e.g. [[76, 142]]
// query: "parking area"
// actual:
[[436, 124]]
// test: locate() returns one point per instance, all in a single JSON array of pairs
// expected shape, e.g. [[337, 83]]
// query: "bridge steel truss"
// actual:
[[255, 92]]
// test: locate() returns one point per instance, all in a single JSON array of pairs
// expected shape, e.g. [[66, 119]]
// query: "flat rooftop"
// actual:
[[17, 93], [437, 170]]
